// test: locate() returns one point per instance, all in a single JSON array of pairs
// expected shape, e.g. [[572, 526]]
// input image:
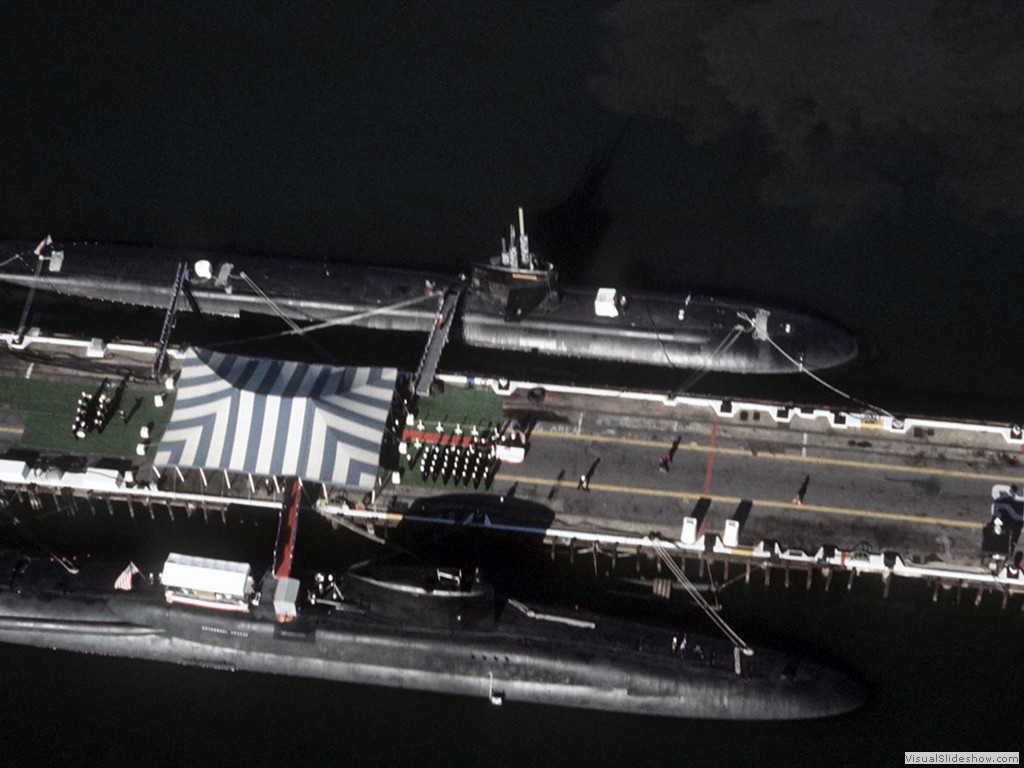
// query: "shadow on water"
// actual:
[[571, 231], [511, 561]]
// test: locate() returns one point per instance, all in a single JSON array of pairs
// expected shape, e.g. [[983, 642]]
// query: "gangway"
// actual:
[[287, 528], [437, 339], [170, 319]]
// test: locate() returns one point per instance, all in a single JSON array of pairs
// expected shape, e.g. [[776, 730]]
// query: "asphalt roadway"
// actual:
[[810, 484]]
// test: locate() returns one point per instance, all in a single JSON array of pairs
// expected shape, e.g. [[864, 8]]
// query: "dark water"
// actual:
[[941, 677], [407, 134]]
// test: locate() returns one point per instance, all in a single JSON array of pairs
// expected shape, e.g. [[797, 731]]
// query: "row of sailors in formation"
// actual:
[[458, 431], [515, 436], [87, 418], [469, 464]]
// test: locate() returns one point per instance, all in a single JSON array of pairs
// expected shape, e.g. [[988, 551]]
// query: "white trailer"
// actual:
[[201, 581]]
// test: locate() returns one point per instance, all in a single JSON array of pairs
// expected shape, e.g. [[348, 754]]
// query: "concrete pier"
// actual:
[[749, 485]]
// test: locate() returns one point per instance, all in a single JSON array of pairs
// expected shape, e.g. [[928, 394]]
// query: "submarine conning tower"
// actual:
[[516, 281]]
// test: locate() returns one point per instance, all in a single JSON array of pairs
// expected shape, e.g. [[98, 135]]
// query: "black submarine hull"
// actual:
[[557, 659], [685, 331]]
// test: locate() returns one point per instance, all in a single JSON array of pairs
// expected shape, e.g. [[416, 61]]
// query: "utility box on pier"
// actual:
[[606, 303], [97, 348], [731, 534], [689, 533]]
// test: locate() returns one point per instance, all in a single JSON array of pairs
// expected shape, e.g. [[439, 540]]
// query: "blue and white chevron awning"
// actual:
[[272, 417]]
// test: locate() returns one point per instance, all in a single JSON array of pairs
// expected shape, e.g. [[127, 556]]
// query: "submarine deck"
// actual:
[[685, 330]]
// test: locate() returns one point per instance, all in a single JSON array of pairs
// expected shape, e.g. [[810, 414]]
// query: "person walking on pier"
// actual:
[[799, 498], [584, 483], [666, 461]]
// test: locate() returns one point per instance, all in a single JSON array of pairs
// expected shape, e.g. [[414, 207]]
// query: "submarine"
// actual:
[[408, 627], [512, 302]]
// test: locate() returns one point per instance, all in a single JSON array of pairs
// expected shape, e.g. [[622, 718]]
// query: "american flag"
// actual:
[[46, 241], [124, 581]]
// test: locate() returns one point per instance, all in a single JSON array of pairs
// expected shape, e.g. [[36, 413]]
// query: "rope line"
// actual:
[[346, 320], [287, 320], [724, 345], [802, 369], [698, 598], [15, 257], [657, 335]]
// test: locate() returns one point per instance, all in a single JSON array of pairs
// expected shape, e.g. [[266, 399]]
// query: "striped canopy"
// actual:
[[271, 417]]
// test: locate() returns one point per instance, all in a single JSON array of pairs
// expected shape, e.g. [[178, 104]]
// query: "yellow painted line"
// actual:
[[605, 439], [891, 516], [741, 551], [12, 430], [684, 496], [818, 460]]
